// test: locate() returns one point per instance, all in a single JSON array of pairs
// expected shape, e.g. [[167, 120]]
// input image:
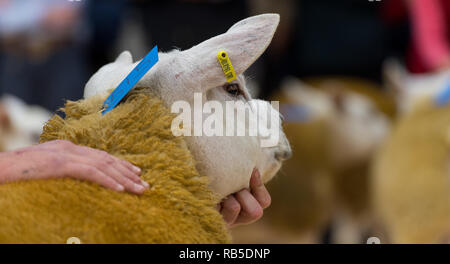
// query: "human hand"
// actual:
[[61, 159], [246, 206]]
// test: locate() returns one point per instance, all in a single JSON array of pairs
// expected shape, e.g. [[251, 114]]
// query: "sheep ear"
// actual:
[[394, 75], [125, 57], [244, 42], [109, 76]]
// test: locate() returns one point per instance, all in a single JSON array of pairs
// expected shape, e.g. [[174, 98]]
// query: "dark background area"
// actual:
[[45, 63]]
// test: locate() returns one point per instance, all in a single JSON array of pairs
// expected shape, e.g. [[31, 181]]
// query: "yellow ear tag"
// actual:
[[227, 67]]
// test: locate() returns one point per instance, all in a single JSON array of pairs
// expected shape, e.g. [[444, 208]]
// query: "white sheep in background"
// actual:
[[334, 132], [409, 89], [411, 185], [22, 123]]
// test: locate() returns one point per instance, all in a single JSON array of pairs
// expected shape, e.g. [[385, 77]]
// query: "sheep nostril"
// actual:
[[283, 155]]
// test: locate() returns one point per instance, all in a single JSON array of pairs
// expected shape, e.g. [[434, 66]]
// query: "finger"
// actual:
[[130, 166], [109, 171], [251, 209], [86, 172], [124, 167], [129, 174], [230, 209], [106, 155], [92, 152], [259, 191], [129, 185]]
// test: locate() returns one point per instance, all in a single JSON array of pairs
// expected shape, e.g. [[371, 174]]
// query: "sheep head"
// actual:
[[179, 76], [356, 127], [413, 91]]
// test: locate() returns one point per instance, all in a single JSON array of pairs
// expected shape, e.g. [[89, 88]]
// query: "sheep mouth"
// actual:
[[271, 170]]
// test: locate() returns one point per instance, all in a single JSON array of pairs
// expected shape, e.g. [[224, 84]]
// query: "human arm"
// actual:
[[63, 159]]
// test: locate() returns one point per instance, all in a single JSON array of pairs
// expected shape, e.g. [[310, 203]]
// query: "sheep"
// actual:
[[408, 89], [188, 175], [334, 125], [411, 184], [20, 124]]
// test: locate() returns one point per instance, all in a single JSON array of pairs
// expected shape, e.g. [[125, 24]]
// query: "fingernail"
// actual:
[[139, 187], [145, 184], [258, 180], [120, 188], [136, 170]]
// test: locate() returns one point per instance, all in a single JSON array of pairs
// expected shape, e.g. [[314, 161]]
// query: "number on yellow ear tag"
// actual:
[[227, 67]]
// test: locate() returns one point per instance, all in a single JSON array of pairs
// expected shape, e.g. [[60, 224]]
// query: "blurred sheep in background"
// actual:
[[319, 198], [334, 125], [411, 183], [41, 63], [20, 124]]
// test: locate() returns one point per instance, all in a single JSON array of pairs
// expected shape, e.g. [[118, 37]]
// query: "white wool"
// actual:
[[357, 126], [26, 122], [359, 129], [412, 88], [319, 104]]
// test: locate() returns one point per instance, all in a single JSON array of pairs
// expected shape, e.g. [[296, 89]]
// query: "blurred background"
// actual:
[[338, 67]]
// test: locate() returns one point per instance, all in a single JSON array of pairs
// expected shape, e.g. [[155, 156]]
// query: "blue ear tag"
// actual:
[[127, 84], [443, 97]]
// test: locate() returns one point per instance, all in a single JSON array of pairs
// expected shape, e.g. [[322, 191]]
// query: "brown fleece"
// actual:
[[178, 208]]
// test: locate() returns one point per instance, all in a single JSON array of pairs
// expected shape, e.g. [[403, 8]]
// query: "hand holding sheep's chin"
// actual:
[[246, 206], [60, 159]]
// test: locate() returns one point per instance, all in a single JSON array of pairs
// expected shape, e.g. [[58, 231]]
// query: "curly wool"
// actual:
[[178, 208]]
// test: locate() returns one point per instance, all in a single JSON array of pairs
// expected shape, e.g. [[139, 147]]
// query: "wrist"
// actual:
[[5, 167], [10, 166]]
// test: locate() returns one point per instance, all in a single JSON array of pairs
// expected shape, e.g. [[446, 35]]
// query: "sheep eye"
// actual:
[[233, 89]]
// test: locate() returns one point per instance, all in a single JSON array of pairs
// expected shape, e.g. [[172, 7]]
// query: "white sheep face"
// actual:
[[356, 126], [227, 160]]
